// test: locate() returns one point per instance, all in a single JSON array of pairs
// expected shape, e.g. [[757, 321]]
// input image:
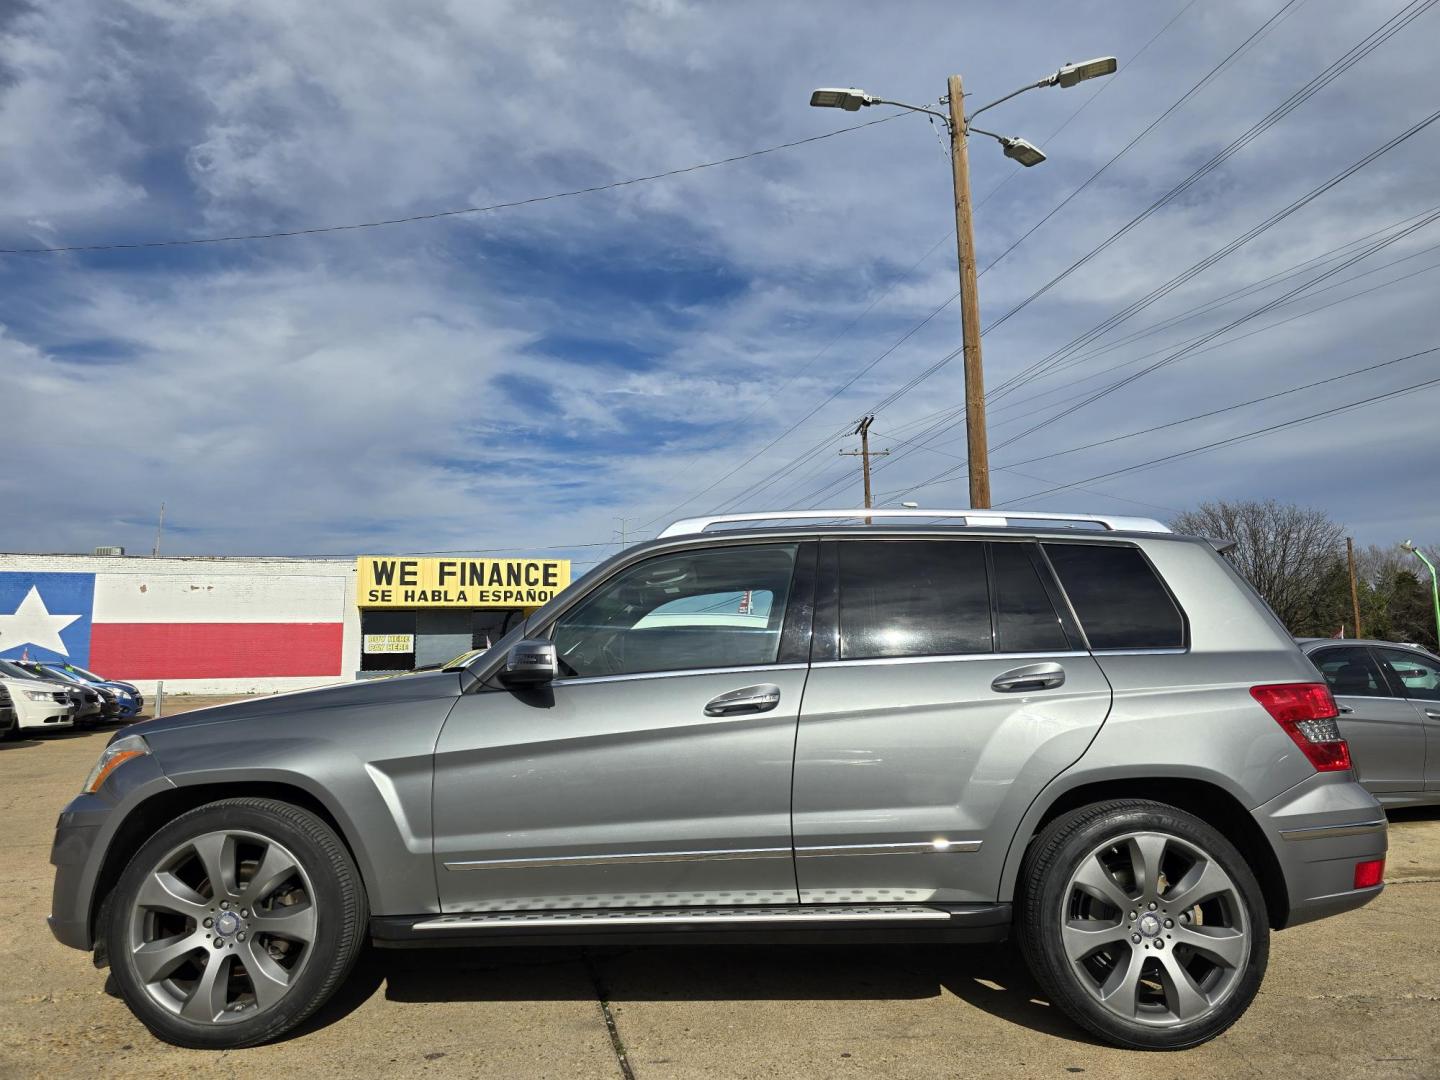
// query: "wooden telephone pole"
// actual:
[[863, 430], [977, 443], [1354, 590]]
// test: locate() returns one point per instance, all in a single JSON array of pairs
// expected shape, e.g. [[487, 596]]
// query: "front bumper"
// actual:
[[1320, 829], [83, 836], [72, 854]]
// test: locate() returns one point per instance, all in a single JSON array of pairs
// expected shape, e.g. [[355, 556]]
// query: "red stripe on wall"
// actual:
[[215, 650]]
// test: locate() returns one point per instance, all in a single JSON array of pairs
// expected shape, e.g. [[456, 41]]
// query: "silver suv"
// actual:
[[1088, 734]]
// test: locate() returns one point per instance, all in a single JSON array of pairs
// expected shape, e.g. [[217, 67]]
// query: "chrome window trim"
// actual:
[[621, 859], [946, 658], [1167, 651], [919, 847], [1325, 832], [583, 680]]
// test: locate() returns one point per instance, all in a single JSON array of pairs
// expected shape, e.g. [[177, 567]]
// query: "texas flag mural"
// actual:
[[144, 626]]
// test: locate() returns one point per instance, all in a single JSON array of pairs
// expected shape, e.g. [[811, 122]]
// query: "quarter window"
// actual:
[[913, 598], [1351, 671], [1118, 599], [1419, 675], [709, 608]]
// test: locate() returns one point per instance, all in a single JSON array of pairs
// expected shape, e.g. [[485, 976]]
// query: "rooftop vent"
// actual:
[[109, 551]]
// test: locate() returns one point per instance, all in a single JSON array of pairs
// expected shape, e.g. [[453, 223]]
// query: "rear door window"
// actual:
[[1119, 600], [913, 598], [1350, 671], [1025, 619]]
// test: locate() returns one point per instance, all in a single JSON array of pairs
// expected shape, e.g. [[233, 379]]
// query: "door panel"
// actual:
[[926, 759], [1418, 677], [912, 770], [620, 793], [1387, 741], [657, 771]]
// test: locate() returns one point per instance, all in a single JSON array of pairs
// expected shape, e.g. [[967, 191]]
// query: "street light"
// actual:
[[1434, 580], [1027, 154]]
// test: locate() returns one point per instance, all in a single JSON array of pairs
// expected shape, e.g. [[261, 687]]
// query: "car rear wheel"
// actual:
[[1144, 924], [233, 923]]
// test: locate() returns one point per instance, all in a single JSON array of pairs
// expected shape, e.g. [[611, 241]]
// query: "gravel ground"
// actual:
[[1358, 995]]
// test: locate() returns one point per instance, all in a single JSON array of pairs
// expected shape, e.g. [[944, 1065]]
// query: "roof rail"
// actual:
[[988, 519]]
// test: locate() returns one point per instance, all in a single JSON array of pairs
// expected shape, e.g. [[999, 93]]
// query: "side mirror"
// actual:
[[530, 663]]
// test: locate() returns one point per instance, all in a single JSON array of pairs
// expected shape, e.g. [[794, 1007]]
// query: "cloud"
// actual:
[[523, 378]]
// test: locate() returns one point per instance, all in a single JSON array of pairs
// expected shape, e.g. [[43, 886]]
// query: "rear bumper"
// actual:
[[1320, 829]]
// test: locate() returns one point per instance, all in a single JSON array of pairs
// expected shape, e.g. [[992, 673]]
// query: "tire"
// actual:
[[284, 928], [1143, 924]]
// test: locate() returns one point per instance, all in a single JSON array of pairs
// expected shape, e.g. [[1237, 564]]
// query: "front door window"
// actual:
[[694, 610]]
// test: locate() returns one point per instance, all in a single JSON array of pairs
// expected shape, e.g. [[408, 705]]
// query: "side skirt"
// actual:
[[779, 924]]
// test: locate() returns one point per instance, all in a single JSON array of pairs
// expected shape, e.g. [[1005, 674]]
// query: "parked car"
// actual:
[[115, 704], [1389, 698], [127, 694], [8, 721], [91, 706], [1085, 732], [38, 703]]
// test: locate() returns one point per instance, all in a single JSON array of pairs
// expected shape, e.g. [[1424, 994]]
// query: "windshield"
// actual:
[[15, 671], [81, 673]]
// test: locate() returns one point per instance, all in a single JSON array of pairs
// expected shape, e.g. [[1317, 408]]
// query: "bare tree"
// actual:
[[1287, 552]]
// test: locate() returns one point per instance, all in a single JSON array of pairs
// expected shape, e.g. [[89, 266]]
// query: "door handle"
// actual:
[[748, 699], [1345, 709], [1030, 677], [1433, 714]]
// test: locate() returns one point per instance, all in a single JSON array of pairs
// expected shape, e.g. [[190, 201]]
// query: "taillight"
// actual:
[[1307, 713]]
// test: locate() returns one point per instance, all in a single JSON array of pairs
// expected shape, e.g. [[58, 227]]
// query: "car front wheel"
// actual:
[[234, 922], [1143, 924]]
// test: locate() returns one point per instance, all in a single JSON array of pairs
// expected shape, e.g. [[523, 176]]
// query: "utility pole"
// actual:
[[863, 430], [1027, 154], [1354, 590], [159, 528], [977, 442], [623, 531]]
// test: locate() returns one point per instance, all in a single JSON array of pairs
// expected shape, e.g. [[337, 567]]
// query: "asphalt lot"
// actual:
[[1355, 996]]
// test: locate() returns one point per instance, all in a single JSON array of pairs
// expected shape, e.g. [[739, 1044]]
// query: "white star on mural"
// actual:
[[32, 624]]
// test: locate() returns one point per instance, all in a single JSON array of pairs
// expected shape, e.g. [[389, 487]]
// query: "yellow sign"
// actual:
[[387, 643], [389, 582]]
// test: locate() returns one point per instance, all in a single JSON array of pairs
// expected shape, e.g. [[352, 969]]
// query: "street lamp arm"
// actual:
[[969, 127], [912, 108], [1049, 80]]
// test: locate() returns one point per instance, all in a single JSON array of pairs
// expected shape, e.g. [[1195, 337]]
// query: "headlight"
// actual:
[[112, 757], [40, 695]]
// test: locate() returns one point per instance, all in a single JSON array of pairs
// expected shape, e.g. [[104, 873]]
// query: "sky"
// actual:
[[539, 377]]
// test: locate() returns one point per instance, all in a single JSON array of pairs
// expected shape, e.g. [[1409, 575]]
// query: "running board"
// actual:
[[765, 922], [685, 916]]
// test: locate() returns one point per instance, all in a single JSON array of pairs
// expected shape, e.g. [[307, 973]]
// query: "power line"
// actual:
[[805, 455], [1350, 261], [435, 215], [1281, 13], [1228, 249], [1259, 285], [959, 470], [1278, 113], [1172, 423], [1244, 437], [1386, 30]]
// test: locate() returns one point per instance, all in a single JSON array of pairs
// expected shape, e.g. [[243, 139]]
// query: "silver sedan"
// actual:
[[1389, 698]]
